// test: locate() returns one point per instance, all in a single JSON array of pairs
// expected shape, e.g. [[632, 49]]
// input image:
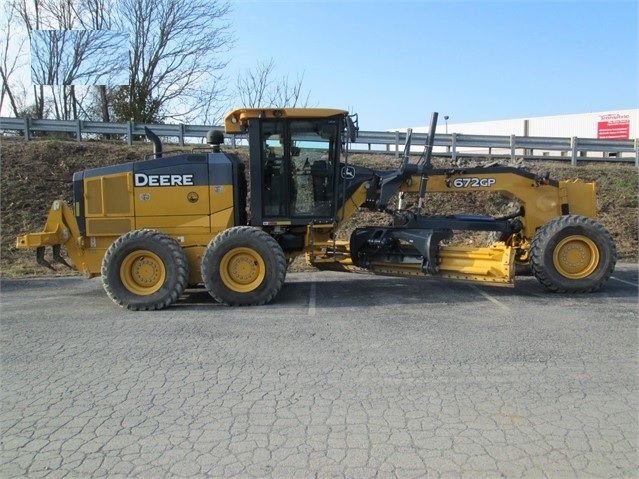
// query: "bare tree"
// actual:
[[253, 85], [100, 15], [174, 54], [257, 87], [287, 93], [41, 18], [12, 52], [213, 101], [29, 13], [65, 59], [173, 63], [70, 49]]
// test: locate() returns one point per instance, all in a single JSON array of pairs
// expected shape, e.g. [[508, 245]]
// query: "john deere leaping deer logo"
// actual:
[[348, 172]]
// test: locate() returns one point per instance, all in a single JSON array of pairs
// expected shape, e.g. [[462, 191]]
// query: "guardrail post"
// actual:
[[453, 146], [181, 137], [396, 144], [637, 152], [78, 129], [573, 151], [129, 133], [512, 147], [27, 128]]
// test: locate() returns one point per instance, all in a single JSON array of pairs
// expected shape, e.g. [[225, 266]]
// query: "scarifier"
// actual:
[[152, 228]]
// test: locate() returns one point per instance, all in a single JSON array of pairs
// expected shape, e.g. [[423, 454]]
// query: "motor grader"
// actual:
[[154, 227]]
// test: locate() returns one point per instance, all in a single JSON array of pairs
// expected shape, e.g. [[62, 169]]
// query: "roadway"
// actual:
[[342, 376]]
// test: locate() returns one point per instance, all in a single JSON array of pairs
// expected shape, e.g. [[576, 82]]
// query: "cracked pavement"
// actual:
[[342, 376]]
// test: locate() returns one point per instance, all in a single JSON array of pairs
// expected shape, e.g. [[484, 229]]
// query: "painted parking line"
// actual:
[[490, 298], [311, 300], [624, 281]]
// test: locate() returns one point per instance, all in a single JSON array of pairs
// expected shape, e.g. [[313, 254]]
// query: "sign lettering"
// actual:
[[142, 179]]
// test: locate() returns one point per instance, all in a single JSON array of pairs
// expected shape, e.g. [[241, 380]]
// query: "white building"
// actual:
[[610, 125]]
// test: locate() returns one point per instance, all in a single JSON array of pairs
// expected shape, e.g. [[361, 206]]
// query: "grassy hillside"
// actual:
[[35, 173]]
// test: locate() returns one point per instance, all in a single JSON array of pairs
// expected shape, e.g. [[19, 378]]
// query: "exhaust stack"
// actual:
[[157, 144]]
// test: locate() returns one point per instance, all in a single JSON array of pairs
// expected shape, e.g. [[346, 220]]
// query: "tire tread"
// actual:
[[240, 233], [158, 238], [543, 271]]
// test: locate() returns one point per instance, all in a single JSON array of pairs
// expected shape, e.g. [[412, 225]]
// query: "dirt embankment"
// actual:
[[35, 173]]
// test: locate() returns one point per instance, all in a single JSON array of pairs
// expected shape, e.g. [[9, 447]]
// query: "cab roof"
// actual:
[[235, 121]]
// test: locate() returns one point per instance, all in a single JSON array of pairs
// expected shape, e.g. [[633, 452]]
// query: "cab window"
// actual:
[[298, 168]]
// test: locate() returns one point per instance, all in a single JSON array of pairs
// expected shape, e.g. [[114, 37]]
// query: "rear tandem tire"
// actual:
[[243, 266], [572, 254], [145, 270]]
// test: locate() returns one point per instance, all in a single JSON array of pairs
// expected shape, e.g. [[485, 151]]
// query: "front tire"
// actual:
[[573, 254], [243, 266], [145, 270]]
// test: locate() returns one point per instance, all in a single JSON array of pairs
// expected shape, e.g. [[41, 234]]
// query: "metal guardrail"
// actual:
[[454, 145], [83, 127], [511, 146]]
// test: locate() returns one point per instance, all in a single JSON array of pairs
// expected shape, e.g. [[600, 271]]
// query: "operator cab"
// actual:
[[294, 163]]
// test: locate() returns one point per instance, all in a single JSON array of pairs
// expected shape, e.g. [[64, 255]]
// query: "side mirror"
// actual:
[[352, 127]]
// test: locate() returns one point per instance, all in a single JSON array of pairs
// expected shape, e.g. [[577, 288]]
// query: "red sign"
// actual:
[[614, 126]]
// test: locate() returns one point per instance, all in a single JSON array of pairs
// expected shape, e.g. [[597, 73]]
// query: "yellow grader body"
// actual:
[[151, 228]]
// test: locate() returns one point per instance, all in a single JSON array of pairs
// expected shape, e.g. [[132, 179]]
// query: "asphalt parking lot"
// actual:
[[342, 376]]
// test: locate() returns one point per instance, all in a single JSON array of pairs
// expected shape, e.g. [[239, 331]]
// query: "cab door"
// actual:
[[294, 164]]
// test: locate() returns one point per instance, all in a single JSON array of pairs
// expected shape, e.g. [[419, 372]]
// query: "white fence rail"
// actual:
[[454, 145]]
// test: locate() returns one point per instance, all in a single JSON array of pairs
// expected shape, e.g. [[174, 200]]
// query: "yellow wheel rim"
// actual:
[[242, 269], [142, 272], [576, 257]]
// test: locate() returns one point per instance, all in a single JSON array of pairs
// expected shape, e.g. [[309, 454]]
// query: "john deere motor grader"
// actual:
[[154, 227]]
